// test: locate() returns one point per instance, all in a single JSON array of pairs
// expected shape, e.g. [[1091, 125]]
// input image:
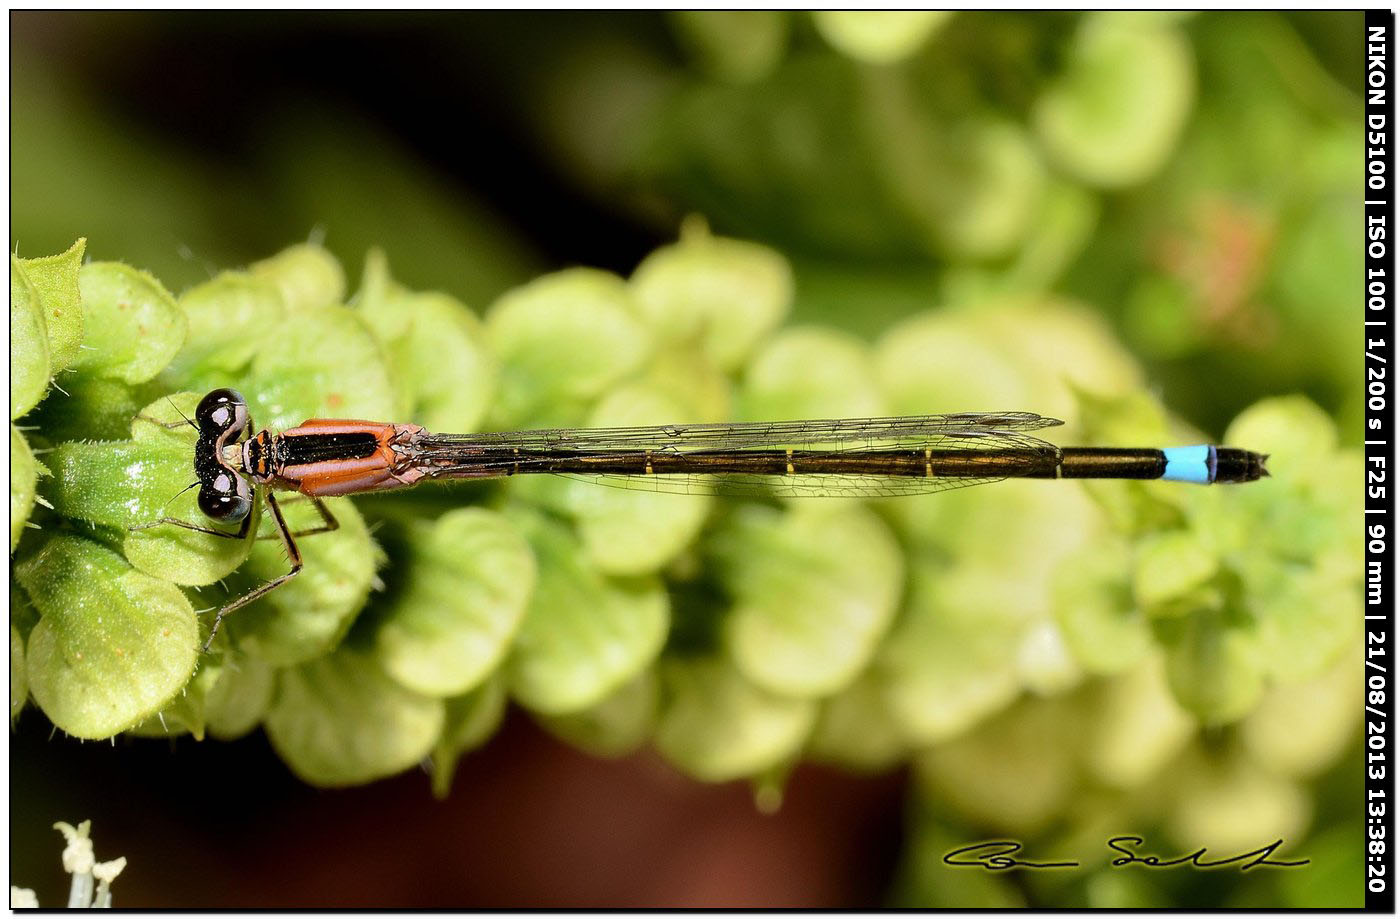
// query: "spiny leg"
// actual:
[[184, 419], [328, 522], [293, 555], [167, 424], [171, 521]]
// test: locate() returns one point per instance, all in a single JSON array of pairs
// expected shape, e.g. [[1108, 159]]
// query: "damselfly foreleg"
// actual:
[[293, 556], [328, 522], [185, 524]]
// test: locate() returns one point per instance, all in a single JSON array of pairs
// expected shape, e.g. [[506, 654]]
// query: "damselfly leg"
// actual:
[[186, 525], [293, 556], [329, 524]]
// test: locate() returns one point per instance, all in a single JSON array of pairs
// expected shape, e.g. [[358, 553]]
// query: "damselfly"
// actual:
[[861, 457]]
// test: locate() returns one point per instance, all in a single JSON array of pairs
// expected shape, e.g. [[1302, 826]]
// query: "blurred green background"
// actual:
[[1134, 221]]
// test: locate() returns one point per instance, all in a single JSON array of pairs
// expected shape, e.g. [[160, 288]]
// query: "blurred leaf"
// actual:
[[19, 675], [982, 536], [690, 380], [465, 583], [1293, 539], [1138, 727], [1214, 669], [132, 326], [933, 363], [1014, 774], [54, 280], [720, 295], [338, 720], [836, 158], [1110, 888], [616, 726], [1115, 115], [1057, 235], [24, 476], [185, 714], [229, 318], [814, 591], [810, 372], [997, 189], [856, 730], [1044, 661], [584, 635], [1094, 608], [1232, 806], [1307, 622], [113, 645], [471, 718], [562, 340], [237, 702], [716, 726], [1334, 879], [1063, 350], [878, 36], [740, 46], [442, 371], [865, 300], [322, 363], [1168, 569], [305, 276], [945, 674], [1299, 729], [1159, 319], [91, 408], [29, 344]]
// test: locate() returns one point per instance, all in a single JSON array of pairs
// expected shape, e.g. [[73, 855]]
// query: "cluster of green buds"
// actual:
[[737, 638]]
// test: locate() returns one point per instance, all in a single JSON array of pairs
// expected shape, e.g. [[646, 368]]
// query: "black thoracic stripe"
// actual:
[[901, 463], [1112, 463], [257, 463], [304, 449]]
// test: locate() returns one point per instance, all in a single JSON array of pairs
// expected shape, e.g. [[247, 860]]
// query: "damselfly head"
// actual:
[[226, 497], [224, 494], [222, 411]]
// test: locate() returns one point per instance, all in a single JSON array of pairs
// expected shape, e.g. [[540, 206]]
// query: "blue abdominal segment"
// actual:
[[1190, 464]]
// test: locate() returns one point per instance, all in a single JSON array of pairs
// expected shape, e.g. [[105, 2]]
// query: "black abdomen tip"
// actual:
[[1235, 465]]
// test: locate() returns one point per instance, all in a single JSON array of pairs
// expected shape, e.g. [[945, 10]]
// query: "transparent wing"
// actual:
[[799, 486], [911, 431], [883, 457]]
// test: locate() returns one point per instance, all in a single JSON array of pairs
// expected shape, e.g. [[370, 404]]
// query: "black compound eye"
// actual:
[[225, 498], [221, 411]]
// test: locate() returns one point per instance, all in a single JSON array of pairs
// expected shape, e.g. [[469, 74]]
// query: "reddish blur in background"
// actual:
[[530, 823]]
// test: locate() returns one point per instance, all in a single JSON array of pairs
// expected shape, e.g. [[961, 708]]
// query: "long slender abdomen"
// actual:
[[910, 463]]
